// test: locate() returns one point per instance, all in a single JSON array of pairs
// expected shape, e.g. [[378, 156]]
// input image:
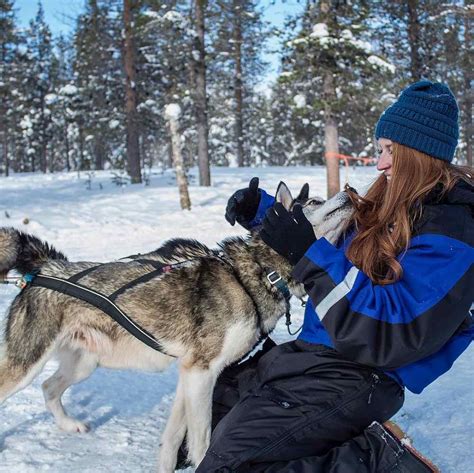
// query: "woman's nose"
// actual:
[[384, 161]]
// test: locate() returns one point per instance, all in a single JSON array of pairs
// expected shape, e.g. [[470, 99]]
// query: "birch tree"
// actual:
[[172, 114]]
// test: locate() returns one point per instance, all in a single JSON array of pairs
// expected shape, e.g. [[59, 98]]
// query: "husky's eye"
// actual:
[[313, 202]]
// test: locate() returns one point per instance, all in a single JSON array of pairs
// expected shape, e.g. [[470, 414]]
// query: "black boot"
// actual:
[[397, 452]]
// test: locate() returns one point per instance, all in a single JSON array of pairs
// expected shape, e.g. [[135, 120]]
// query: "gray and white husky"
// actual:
[[208, 314]]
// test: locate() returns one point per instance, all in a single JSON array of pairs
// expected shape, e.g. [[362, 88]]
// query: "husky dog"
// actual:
[[207, 313]]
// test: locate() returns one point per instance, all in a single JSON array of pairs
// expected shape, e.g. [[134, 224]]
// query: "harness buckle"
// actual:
[[273, 277]]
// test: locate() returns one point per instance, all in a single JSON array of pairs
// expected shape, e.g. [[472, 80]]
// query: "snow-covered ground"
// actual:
[[127, 410]]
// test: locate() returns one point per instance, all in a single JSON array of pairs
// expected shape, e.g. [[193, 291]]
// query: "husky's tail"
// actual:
[[24, 252]]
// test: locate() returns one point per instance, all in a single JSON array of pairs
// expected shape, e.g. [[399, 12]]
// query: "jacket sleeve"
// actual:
[[266, 201], [392, 325]]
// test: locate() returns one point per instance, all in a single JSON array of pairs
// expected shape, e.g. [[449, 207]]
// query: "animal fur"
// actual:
[[207, 314]]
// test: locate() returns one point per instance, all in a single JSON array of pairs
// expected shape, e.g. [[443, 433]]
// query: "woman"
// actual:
[[388, 309]]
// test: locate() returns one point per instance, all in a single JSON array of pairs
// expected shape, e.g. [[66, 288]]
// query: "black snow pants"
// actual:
[[298, 408]]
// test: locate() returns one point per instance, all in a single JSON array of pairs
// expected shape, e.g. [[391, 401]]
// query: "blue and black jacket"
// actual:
[[415, 328]]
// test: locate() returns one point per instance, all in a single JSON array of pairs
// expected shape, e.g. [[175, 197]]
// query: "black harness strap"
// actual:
[[139, 280], [101, 302], [81, 274], [152, 262]]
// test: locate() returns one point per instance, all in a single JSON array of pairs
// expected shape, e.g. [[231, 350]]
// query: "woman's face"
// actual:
[[384, 152]]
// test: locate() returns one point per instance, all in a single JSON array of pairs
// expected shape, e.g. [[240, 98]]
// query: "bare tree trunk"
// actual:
[[414, 39], [81, 166], [201, 96], [331, 145], [44, 144], [99, 154], [66, 144], [99, 99], [468, 92], [238, 86], [5, 153], [172, 113], [133, 153]]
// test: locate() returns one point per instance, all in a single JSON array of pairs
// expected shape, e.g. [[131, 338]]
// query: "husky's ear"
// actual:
[[304, 193], [283, 195]]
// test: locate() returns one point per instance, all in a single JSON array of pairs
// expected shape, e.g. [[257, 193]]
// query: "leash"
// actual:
[[21, 281], [275, 279]]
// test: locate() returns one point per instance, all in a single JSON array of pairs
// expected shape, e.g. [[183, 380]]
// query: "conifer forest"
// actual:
[[179, 83]]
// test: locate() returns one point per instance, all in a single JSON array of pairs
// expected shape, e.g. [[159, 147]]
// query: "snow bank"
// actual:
[[127, 410]]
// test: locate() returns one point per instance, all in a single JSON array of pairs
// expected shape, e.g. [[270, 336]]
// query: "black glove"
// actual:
[[243, 204], [289, 234]]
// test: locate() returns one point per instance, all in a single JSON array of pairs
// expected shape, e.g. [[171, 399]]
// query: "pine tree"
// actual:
[[99, 78], [238, 39], [8, 44], [36, 122], [199, 59], [165, 39], [437, 37], [332, 71], [129, 54]]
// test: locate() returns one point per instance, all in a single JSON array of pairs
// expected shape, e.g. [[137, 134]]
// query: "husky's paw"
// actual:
[[68, 424]]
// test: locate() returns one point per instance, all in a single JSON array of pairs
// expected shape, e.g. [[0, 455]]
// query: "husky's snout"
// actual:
[[329, 219]]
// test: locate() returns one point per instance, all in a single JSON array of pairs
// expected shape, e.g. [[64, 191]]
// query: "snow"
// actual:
[[174, 16], [378, 62], [297, 41], [68, 89], [320, 30], [25, 123], [300, 100], [50, 99], [127, 410], [347, 34], [113, 124], [22, 50], [172, 111], [362, 45]]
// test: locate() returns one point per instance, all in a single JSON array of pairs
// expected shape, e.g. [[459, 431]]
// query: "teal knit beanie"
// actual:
[[424, 117]]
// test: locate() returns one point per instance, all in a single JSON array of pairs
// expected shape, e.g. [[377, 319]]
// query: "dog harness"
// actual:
[[106, 303]]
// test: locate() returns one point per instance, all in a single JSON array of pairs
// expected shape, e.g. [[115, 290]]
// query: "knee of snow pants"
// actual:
[[307, 399]]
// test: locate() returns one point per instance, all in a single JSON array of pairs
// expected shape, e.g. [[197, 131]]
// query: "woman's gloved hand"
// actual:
[[243, 204], [289, 233]]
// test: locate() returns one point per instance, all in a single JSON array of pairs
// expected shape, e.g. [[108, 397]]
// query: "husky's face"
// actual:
[[327, 217]]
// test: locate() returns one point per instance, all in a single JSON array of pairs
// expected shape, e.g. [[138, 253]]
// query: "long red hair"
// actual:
[[384, 218]]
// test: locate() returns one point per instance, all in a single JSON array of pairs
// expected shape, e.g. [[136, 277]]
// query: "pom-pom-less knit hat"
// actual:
[[425, 117]]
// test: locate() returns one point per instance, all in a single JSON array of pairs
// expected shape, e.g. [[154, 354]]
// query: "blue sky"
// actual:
[[60, 17]]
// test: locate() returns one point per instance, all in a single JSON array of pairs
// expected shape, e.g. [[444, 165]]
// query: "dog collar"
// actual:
[[275, 279]]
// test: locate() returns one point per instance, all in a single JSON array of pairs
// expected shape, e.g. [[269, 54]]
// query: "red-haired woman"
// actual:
[[389, 308]]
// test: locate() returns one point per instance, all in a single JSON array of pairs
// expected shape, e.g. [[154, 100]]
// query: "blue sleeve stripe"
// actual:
[[330, 259], [266, 201], [431, 267]]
